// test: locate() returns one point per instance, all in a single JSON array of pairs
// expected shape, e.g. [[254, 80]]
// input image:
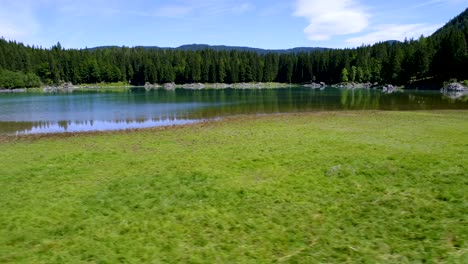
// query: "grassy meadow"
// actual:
[[342, 187]]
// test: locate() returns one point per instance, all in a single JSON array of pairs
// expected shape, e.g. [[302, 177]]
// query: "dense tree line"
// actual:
[[10, 79], [442, 56]]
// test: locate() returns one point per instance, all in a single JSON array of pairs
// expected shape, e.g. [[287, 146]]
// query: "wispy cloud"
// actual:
[[84, 8], [242, 8], [217, 8], [173, 11], [437, 3], [170, 11], [332, 17], [393, 32], [17, 20], [274, 8], [176, 9]]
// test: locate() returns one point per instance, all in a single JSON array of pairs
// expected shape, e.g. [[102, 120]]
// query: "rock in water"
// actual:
[[453, 87], [315, 85], [388, 88], [193, 86], [170, 86], [454, 90]]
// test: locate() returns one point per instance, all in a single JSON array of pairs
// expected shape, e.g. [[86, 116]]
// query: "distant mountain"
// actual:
[[257, 50], [196, 47], [391, 42]]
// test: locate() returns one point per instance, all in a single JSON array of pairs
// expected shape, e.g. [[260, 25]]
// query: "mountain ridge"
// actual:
[[197, 47]]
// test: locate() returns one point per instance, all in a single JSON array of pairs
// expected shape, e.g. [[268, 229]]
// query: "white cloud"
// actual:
[[332, 17], [393, 32]]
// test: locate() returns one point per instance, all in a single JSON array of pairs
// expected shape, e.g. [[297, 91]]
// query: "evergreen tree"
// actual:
[[344, 75], [353, 73]]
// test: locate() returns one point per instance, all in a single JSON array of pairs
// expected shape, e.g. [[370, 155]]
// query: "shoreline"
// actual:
[[70, 87], [5, 138]]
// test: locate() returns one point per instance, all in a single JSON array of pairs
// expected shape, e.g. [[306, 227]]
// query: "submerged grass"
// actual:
[[376, 187]]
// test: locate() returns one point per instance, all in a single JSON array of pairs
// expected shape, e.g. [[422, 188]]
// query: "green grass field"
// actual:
[[345, 187]]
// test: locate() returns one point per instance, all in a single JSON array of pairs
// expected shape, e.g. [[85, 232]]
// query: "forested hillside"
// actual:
[[439, 57]]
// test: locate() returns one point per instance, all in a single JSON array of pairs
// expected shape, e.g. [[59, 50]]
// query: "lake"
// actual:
[[94, 110]]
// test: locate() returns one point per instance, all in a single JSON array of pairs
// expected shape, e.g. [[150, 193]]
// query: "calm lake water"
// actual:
[[27, 113]]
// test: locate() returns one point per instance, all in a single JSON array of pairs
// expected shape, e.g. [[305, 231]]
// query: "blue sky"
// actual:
[[270, 24]]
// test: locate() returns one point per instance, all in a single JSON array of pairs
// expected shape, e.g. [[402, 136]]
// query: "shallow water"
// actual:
[[29, 113]]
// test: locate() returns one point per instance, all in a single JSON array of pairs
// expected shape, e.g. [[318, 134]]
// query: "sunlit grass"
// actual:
[[376, 187]]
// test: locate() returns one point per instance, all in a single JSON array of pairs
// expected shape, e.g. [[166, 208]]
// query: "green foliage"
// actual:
[[344, 75], [451, 59], [305, 188], [360, 77], [465, 83], [11, 80], [31, 80], [94, 73], [353, 73]]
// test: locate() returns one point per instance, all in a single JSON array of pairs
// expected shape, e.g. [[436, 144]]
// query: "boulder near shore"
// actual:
[[453, 87], [454, 90], [64, 87]]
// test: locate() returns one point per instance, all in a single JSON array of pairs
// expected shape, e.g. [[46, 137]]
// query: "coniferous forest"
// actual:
[[427, 60]]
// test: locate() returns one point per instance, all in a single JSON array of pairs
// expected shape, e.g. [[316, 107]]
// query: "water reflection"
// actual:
[[136, 108], [84, 126]]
